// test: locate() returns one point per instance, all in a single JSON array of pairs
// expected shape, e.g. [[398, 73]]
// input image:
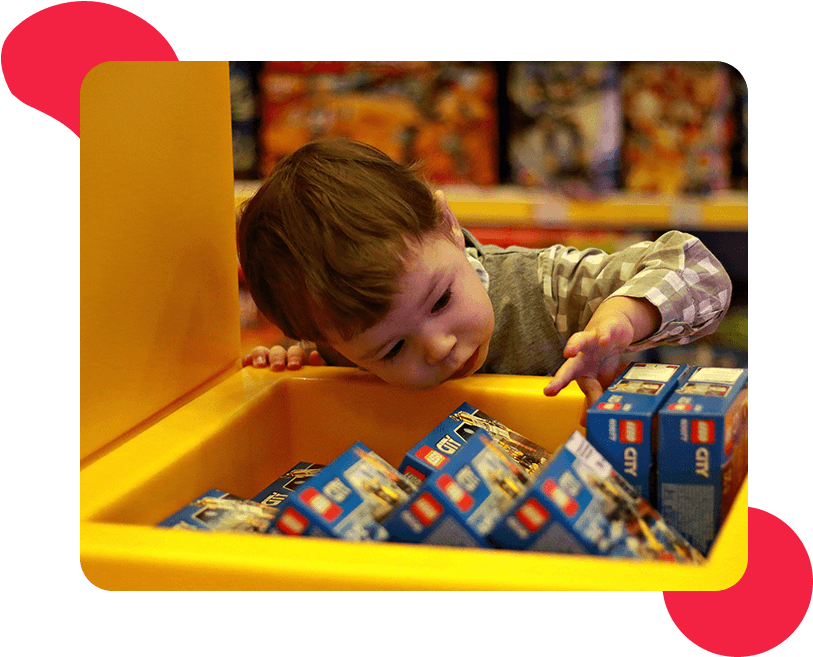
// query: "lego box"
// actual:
[[703, 451], [347, 499], [579, 505], [219, 511], [276, 493], [622, 424], [435, 450], [460, 503]]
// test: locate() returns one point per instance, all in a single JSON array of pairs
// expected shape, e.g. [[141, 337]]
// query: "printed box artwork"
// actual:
[[348, 498], [434, 451], [703, 451], [460, 503], [564, 125], [676, 127], [278, 492], [218, 511], [441, 114], [579, 505], [622, 424]]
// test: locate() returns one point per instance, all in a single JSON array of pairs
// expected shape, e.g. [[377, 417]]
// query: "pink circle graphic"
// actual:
[[46, 57], [762, 609]]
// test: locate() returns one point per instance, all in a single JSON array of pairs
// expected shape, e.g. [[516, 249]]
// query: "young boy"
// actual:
[[345, 248]]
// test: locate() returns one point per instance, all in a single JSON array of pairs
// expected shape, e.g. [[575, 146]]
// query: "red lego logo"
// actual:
[[292, 523], [560, 497], [532, 514], [455, 493], [409, 470], [426, 509], [431, 456], [630, 431], [607, 406], [703, 431], [322, 505]]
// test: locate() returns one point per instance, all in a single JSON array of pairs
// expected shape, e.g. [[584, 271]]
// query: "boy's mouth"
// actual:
[[468, 366]]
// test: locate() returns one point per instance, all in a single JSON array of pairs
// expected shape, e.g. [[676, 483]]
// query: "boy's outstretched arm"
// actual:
[[670, 290], [593, 355]]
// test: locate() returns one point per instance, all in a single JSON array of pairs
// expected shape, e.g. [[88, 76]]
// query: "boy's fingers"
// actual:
[[257, 357], [277, 358], [564, 375], [296, 356], [592, 390], [315, 359]]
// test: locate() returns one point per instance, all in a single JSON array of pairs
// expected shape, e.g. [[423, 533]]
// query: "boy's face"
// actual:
[[439, 325]]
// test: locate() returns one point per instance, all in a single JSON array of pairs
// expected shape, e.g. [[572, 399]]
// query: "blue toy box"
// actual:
[[460, 503], [622, 424], [278, 492], [703, 451], [347, 499], [218, 511], [579, 505], [435, 450]]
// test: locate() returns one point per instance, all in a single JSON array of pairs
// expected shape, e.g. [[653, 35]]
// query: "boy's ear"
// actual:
[[450, 223]]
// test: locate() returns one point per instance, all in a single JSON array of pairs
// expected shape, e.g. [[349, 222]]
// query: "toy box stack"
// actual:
[[278, 492], [563, 125], [442, 115], [435, 450], [348, 498], [578, 504], [218, 511], [623, 426], [703, 451], [460, 503], [677, 131]]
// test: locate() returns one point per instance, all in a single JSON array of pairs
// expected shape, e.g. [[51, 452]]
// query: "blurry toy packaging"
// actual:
[[435, 450], [441, 114], [276, 493], [218, 511], [622, 424], [348, 498], [677, 127], [703, 451], [460, 503], [578, 504], [564, 125]]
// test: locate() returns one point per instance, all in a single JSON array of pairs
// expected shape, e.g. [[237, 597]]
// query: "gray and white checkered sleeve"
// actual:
[[676, 273]]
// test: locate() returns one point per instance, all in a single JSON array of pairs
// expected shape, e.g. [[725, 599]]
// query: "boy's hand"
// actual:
[[278, 357], [594, 354]]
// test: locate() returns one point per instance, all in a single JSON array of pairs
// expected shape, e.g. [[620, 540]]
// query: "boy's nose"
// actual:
[[437, 347]]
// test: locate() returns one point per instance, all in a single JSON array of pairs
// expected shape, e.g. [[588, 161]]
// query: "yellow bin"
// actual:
[[167, 412]]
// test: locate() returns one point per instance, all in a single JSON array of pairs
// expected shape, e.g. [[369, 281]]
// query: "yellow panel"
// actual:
[[159, 313]]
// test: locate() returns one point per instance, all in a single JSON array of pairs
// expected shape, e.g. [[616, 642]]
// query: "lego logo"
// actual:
[[455, 493], [321, 504], [426, 509], [532, 514], [703, 431], [630, 431], [606, 406], [431, 456], [292, 523], [560, 497], [410, 471]]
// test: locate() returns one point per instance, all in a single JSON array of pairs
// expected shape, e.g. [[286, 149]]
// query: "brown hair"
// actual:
[[322, 242]]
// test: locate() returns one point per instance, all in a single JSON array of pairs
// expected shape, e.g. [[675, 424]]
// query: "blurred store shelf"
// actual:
[[521, 207]]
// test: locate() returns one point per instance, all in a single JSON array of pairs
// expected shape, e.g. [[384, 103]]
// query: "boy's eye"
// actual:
[[441, 303], [392, 353]]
